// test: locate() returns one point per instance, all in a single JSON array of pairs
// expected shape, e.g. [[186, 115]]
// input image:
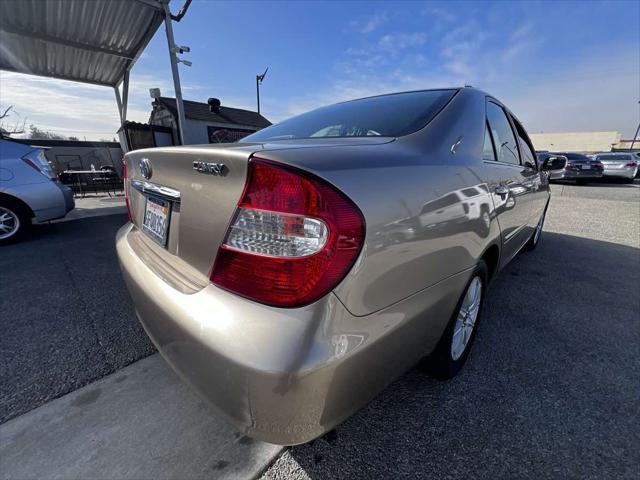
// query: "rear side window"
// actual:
[[575, 156], [387, 116], [487, 151], [503, 137], [526, 150]]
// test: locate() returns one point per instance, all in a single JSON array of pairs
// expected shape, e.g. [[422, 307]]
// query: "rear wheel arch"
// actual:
[[5, 198], [491, 258]]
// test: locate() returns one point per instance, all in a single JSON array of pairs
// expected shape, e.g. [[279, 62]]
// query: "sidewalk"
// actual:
[[95, 206], [140, 422]]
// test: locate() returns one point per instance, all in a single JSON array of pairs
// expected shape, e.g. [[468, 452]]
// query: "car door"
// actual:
[[507, 180]]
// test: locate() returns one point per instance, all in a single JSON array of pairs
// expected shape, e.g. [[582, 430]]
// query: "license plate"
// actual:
[[157, 214], [585, 167]]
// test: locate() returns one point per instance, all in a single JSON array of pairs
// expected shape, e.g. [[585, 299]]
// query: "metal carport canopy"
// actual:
[[88, 41]]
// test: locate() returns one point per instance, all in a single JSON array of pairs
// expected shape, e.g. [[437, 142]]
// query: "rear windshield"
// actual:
[[614, 157], [386, 116], [575, 156]]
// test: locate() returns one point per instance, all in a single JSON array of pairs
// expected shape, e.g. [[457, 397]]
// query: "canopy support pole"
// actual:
[[174, 71], [125, 96], [119, 103]]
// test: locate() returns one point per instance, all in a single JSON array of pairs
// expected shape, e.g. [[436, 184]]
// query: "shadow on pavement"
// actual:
[[550, 389]]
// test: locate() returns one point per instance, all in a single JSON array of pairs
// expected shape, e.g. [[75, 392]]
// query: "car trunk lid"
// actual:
[[197, 188]]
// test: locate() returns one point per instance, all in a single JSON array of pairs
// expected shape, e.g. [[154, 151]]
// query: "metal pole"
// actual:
[[173, 58], [125, 96], [634, 138], [258, 91], [119, 103]]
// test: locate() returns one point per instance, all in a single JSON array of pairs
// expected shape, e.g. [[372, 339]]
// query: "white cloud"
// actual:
[[370, 24], [598, 93], [439, 14], [400, 41], [69, 108]]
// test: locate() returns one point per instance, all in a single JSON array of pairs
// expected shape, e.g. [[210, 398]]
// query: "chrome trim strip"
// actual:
[[159, 190]]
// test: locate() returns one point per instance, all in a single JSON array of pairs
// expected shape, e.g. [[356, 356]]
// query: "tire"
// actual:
[[450, 355], [15, 222], [537, 234], [629, 180]]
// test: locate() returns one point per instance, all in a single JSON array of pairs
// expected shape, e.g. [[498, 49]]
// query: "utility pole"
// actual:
[[259, 79], [633, 141]]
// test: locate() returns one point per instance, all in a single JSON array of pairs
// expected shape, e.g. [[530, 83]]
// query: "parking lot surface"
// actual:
[[552, 386], [550, 389], [66, 319]]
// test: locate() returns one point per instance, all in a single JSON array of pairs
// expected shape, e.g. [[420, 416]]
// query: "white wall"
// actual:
[[575, 141]]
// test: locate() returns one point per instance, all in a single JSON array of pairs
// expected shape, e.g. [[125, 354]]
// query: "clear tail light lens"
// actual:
[[292, 240], [276, 234]]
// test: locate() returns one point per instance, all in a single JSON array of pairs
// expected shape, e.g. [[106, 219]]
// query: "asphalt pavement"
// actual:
[[551, 389], [67, 318], [552, 385]]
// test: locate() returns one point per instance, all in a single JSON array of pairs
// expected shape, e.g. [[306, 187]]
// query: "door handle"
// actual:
[[502, 190]]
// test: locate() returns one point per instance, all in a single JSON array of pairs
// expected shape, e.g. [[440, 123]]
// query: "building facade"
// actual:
[[206, 124]]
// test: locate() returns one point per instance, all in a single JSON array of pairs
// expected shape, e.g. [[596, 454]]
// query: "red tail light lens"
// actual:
[[631, 164], [293, 238], [125, 185]]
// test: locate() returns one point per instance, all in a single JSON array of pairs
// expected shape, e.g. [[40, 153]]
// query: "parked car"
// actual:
[[619, 165], [272, 274], [29, 190], [570, 166]]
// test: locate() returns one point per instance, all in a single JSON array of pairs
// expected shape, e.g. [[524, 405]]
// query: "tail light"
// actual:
[[37, 160], [125, 185], [631, 164], [292, 240], [570, 165]]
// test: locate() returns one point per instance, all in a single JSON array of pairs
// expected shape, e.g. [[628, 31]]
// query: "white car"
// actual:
[[29, 190], [622, 165]]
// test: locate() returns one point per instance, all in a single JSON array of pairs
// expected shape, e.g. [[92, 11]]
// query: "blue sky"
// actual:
[[560, 66]]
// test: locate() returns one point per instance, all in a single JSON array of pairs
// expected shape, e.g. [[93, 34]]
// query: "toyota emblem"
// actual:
[[145, 168]]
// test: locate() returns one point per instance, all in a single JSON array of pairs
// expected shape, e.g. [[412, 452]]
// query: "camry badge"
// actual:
[[210, 168], [145, 168]]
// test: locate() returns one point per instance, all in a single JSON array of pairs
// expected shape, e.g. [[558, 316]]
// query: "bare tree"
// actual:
[[5, 128]]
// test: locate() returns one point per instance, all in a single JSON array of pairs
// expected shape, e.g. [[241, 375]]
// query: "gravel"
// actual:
[[552, 386], [66, 318]]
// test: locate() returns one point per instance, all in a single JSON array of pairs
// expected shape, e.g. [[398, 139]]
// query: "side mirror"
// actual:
[[554, 163]]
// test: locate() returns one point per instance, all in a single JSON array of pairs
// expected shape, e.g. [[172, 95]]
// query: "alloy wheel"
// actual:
[[9, 223], [466, 319]]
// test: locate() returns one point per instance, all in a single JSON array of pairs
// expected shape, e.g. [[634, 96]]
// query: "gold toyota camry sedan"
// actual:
[[291, 277]]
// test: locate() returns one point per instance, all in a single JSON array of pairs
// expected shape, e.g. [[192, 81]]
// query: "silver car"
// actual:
[[291, 277], [29, 190], [620, 165]]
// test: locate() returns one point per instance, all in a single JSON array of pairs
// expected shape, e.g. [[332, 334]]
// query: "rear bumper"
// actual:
[[627, 172], [575, 174], [284, 376], [67, 194]]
